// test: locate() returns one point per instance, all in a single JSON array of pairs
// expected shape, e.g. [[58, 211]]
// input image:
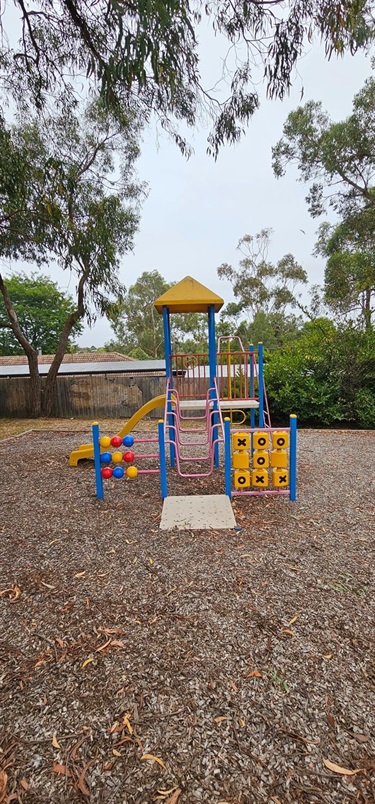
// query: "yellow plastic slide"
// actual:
[[87, 450]]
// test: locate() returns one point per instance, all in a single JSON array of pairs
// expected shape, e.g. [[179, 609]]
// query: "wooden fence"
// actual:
[[85, 395]]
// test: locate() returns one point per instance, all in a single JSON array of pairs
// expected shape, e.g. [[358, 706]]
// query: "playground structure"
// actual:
[[204, 393]]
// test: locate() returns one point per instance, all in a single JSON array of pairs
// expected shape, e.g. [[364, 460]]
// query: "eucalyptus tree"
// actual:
[[41, 308], [338, 160], [86, 218], [145, 53]]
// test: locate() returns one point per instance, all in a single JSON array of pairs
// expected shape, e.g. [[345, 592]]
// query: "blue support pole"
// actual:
[[260, 385], [252, 411], [98, 476], [227, 458], [163, 460], [213, 371], [293, 458], [167, 342], [169, 373]]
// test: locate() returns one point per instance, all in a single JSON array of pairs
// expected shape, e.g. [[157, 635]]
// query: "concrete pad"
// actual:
[[199, 512]]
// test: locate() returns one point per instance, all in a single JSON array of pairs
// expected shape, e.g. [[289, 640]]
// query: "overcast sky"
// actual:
[[197, 210]]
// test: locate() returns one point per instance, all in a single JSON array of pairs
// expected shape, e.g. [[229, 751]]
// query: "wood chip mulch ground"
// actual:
[[207, 666]]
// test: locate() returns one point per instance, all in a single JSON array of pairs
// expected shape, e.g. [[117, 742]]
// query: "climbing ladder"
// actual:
[[206, 436]]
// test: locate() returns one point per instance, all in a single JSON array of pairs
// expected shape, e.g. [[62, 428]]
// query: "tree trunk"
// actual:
[[50, 384], [31, 354], [367, 309]]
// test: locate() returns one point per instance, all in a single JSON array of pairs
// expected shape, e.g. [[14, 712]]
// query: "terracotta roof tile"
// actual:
[[77, 357]]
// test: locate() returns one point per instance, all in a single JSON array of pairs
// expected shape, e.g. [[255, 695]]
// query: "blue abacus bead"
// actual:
[[105, 457], [118, 472], [128, 441]]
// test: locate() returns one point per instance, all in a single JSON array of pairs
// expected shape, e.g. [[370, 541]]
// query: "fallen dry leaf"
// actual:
[[254, 674], [103, 647], [220, 719], [76, 747], [288, 631], [54, 742], [59, 641], [3, 784], [48, 585], [344, 771], [61, 769], [117, 643], [293, 620], [127, 723], [174, 797], [124, 740], [79, 574], [81, 783], [116, 753], [327, 655], [361, 738], [13, 592], [24, 784], [108, 631], [154, 759], [167, 792], [86, 662]]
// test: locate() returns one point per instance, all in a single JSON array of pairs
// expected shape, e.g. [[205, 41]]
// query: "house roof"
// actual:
[[130, 367], [77, 357], [188, 296]]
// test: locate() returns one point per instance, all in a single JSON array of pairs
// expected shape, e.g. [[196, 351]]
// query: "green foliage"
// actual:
[[272, 329], [144, 54], [264, 291], [86, 219], [41, 309], [137, 324], [326, 377], [339, 161], [338, 157], [350, 268], [139, 354], [134, 319]]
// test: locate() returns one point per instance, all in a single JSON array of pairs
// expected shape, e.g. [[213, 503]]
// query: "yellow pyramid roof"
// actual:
[[188, 296]]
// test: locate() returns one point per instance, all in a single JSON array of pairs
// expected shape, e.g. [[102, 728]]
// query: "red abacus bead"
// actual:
[[106, 472], [128, 456], [116, 441]]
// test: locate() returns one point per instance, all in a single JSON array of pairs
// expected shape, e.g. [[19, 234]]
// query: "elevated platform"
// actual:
[[224, 404]]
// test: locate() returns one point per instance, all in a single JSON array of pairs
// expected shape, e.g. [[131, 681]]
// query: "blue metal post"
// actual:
[[98, 476], [169, 373], [163, 460], [260, 385], [293, 458], [167, 342], [252, 411], [227, 458], [212, 360]]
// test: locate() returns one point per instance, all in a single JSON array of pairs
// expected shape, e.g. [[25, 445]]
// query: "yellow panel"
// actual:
[[261, 459], [241, 441], [261, 440], [259, 477], [280, 477], [241, 479], [280, 440], [279, 458], [188, 296], [241, 460]]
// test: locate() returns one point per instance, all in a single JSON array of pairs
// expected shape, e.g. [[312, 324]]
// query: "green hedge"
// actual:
[[326, 377]]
